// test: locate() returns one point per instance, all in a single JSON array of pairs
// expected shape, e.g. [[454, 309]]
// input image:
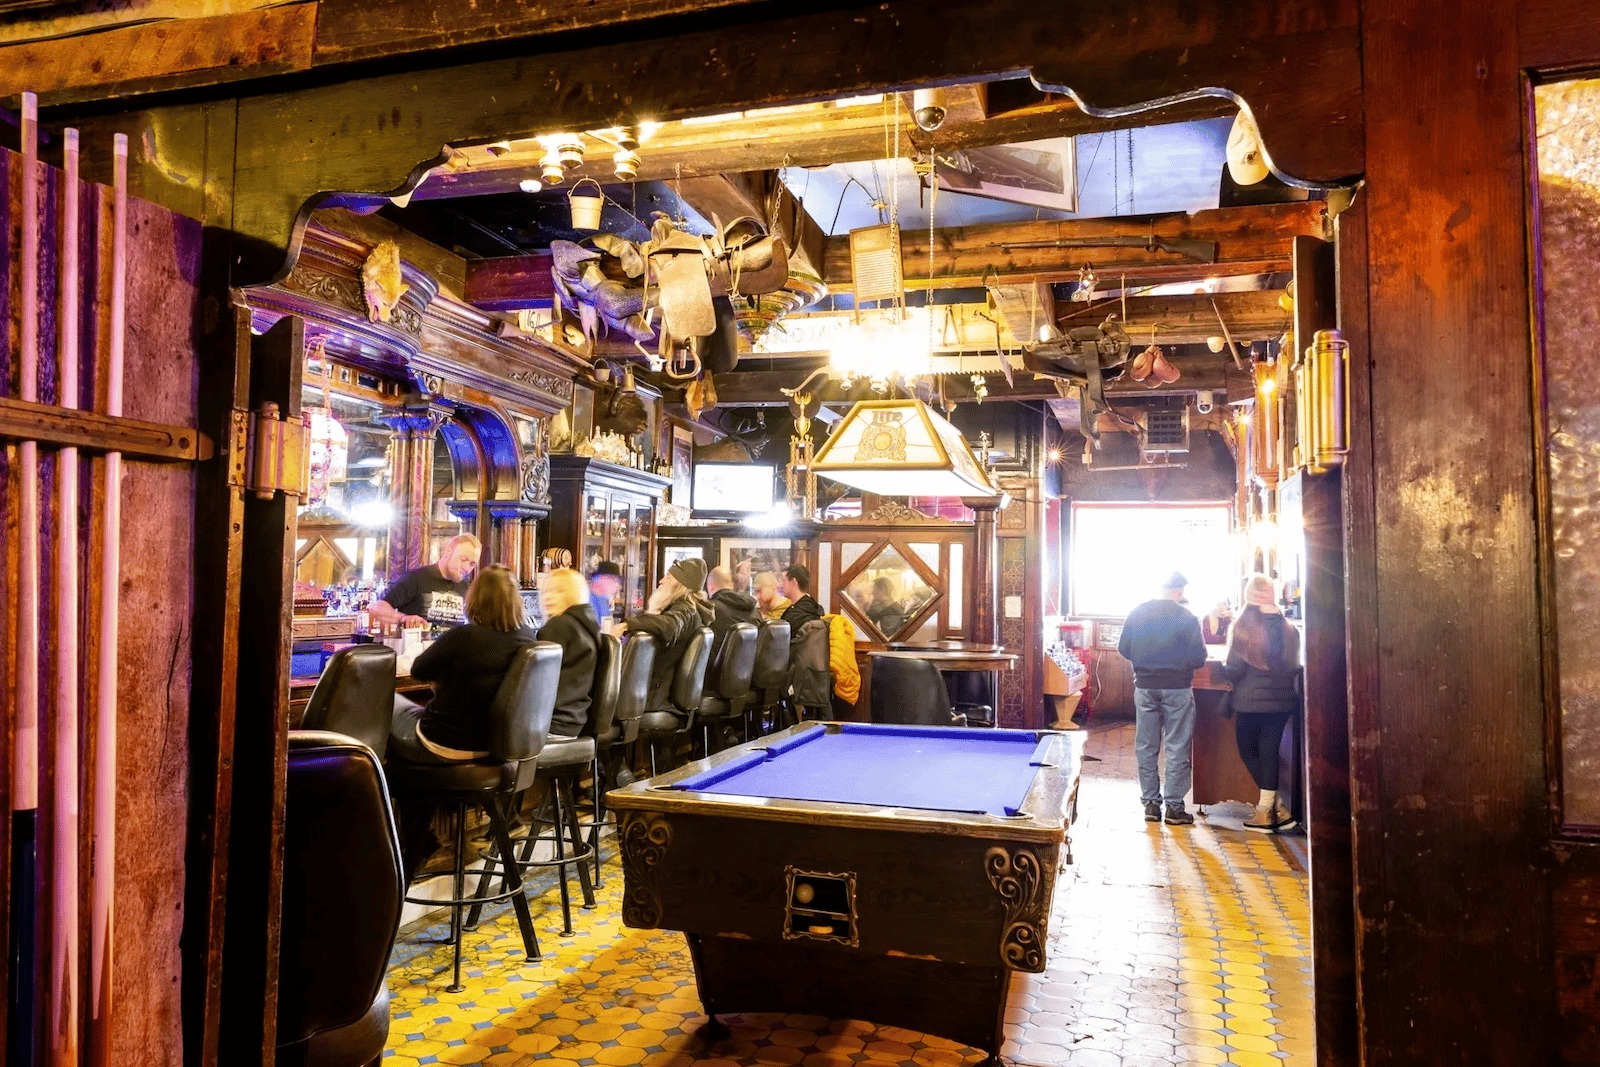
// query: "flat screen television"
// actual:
[[725, 490]]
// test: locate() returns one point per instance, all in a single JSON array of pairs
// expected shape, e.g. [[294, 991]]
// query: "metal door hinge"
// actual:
[[269, 454]]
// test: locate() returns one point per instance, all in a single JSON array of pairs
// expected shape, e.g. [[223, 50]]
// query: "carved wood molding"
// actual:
[[1019, 880], [644, 839]]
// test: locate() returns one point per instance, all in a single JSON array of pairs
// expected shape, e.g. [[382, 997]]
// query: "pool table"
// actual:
[[896, 874]]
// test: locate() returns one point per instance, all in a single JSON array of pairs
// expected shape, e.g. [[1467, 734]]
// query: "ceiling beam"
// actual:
[[510, 283], [1185, 320], [781, 137], [1249, 240]]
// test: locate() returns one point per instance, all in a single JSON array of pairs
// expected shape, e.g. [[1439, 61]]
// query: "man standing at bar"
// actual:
[[1161, 639], [435, 595]]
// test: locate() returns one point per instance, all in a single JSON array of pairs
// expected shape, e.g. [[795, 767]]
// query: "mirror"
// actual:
[[890, 592]]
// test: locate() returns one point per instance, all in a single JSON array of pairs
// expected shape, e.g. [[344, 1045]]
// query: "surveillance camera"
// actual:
[[927, 107], [1204, 402]]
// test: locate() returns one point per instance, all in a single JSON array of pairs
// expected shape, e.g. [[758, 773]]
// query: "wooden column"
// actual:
[[985, 626], [1450, 793], [415, 430], [509, 531], [528, 555]]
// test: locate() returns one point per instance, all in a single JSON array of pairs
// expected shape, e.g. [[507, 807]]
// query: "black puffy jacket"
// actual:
[[672, 629], [1258, 691]]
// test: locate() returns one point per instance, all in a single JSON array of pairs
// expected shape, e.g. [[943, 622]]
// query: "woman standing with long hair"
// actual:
[[1264, 668]]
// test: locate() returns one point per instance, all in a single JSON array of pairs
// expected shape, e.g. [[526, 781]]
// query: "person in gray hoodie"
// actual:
[[1161, 639]]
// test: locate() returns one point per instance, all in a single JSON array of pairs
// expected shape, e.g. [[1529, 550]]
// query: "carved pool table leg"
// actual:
[[715, 1030]]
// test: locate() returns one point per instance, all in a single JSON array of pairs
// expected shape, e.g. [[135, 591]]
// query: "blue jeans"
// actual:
[[1164, 716]]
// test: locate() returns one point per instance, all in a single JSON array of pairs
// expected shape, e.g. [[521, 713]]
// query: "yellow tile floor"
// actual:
[[1168, 945]]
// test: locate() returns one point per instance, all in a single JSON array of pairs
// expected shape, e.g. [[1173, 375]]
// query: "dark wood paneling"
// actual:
[[1574, 906], [1452, 813], [250, 959], [1553, 34]]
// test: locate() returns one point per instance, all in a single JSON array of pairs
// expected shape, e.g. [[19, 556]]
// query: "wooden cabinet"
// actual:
[[600, 510]]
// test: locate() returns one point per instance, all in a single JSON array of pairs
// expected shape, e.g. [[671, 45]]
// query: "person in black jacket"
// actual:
[[466, 666], [675, 613], [573, 626], [1264, 668], [1162, 642], [728, 608], [802, 607]]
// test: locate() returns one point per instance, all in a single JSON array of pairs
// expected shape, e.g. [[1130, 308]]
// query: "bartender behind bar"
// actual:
[[434, 595]]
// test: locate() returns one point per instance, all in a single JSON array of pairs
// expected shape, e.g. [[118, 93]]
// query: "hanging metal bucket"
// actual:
[[585, 206]]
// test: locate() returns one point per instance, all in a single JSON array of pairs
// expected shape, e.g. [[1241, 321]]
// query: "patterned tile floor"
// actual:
[[1168, 945]]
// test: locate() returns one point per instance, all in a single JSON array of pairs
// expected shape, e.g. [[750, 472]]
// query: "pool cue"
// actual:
[[25, 756], [105, 791], [63, 993]]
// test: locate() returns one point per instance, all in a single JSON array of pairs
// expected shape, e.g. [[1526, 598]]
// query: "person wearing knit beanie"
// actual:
[[1261, 592], [1263, 668]]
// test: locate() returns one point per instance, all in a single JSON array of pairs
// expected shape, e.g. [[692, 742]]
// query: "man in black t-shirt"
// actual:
[[436, 594]]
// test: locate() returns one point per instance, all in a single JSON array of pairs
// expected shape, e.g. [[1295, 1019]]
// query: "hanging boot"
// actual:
[[1264, 819]]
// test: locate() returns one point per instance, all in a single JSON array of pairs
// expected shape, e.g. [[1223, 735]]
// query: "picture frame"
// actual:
[[761, 554], [1041, 173], [682, 464]]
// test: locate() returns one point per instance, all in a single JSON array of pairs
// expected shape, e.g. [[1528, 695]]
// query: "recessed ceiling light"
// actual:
[[530, 185]]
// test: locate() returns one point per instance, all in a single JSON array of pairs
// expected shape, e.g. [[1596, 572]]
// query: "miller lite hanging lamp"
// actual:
[[902, 448]]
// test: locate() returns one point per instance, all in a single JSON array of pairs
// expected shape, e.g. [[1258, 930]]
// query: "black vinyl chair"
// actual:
[[561, 764], [355, 696], [633, 691], [519, 723], [688, 685], [768, 678], [911, 692], [724, 695], [342, 885]]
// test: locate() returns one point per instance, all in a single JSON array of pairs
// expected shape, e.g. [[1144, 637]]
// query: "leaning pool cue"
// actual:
[[25, 756], [105, 788], [63, 993]]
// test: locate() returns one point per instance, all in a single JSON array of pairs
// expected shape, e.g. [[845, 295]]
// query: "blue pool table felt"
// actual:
[[933, 768]]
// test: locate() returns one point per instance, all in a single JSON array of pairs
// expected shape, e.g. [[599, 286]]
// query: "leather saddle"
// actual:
[[1088, 356]]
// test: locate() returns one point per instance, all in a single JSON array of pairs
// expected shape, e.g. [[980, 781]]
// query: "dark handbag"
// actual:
[[1225, 708]]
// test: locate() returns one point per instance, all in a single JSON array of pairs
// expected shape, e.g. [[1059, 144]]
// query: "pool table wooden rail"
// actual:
[[1048, 808]]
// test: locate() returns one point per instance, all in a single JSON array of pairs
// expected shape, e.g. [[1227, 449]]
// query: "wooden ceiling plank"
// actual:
[[173, 54], [1247, 240], [510, 283], [799, 139]]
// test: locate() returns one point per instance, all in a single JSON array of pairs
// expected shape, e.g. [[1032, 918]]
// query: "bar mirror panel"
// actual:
[[1567, 201]]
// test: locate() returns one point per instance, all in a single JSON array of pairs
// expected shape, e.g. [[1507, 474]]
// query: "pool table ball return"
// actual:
[[894, 874]]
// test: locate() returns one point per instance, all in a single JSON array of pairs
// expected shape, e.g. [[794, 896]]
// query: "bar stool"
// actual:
[[342, 884], [726, 699], [911, 692], [768, 677], [561, 764], [633, 690], [355, 696], [519, 722], [688, 684]]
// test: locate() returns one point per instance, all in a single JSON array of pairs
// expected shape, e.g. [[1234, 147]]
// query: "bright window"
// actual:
[[1121, 553]]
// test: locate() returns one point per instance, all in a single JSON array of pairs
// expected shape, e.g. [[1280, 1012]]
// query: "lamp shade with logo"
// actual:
[[902, 448]]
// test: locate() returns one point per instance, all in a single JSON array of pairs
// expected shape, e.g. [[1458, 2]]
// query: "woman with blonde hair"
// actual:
[[1264, 667], [466, 666], [572, 625]]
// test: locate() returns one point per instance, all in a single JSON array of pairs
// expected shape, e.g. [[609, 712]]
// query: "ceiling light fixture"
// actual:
[[563, 152], [902, 448]]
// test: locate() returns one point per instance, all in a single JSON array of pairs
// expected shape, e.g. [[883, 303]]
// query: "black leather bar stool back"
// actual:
[[603, 700], [725, 693], [769, 676], [355, 696], [519, 723], [688, 686], [911, 692], [342, 884], [633, 691]]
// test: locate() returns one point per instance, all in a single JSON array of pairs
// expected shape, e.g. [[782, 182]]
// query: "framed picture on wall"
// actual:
[[682, 464], [747, 557]]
